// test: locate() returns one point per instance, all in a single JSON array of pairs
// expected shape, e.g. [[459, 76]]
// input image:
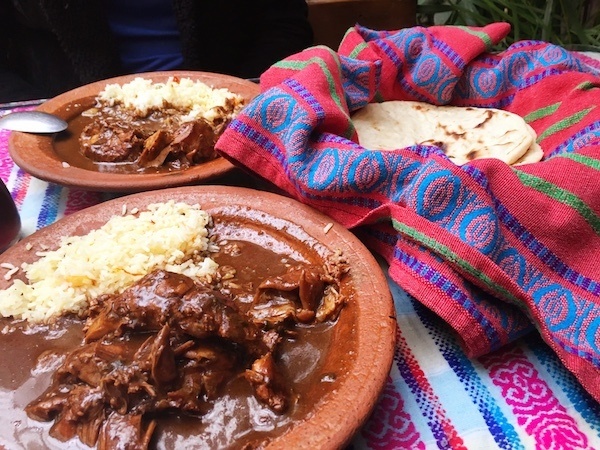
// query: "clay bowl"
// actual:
[[354, 363], [37, 154]]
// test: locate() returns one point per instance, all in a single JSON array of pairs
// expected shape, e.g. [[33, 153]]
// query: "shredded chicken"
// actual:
[[168, 344]]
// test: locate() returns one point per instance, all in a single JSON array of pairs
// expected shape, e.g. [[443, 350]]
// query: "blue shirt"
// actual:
[[146, 33]]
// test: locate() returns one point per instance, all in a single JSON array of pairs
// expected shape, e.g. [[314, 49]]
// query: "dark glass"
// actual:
[[10, 222]]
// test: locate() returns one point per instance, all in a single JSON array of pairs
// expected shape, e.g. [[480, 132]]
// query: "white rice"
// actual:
[[194, 98], [171, 236]]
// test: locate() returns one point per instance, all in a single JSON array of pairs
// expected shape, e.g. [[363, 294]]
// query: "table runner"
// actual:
[[492, 249]]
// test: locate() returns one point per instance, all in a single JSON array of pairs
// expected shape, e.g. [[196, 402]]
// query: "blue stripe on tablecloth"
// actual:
[[502, 431], [468, 406], [49, 209]]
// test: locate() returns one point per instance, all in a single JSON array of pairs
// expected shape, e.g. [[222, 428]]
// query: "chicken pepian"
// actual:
[[168, 345]]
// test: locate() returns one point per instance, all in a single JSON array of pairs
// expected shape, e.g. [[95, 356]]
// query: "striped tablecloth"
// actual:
[[520, 397]]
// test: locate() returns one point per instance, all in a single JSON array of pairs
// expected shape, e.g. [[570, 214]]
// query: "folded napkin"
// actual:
[[495, 250]]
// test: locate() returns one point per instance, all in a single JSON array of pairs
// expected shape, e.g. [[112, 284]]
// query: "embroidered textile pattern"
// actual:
[[502, 246]]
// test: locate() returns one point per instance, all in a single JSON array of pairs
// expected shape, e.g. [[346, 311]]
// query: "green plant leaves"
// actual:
[[574, 24]]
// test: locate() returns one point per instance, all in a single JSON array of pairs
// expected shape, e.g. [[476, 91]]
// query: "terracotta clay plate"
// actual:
[[338, 375], [40, 155]]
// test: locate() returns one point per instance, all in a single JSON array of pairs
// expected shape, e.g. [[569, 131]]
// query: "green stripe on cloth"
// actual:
[[564, 123], [542, 112], [483, 36], [452, 257], [300, 65], [587, 86], [592, 163], [561, 195], [359, 48]]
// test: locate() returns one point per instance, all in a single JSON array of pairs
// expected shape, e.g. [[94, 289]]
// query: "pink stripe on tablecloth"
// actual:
[[532, 401], [391, 426], [22, 180], [21, 187], [6, 162]]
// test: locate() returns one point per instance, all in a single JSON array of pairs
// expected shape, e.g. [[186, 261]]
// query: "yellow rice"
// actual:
[[172, 236], [194, 98]]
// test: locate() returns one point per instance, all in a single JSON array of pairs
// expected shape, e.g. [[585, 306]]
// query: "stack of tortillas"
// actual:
[[463, 133]]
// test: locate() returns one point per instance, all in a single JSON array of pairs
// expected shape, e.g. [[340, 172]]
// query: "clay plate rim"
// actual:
[[337, 416], [35, 153]]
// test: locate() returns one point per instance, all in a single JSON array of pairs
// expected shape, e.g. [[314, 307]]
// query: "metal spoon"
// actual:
[[33, 122]]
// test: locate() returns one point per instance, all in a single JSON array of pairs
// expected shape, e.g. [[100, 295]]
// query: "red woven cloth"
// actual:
[[494, 250]]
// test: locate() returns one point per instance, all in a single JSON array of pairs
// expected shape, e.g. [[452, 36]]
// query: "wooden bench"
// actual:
[[331, 19]]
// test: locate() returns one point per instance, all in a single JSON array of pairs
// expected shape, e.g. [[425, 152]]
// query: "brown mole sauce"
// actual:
[[29, 358], [66, 143]]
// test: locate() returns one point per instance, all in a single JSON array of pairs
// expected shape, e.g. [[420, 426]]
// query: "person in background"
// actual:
[[51, 46]]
